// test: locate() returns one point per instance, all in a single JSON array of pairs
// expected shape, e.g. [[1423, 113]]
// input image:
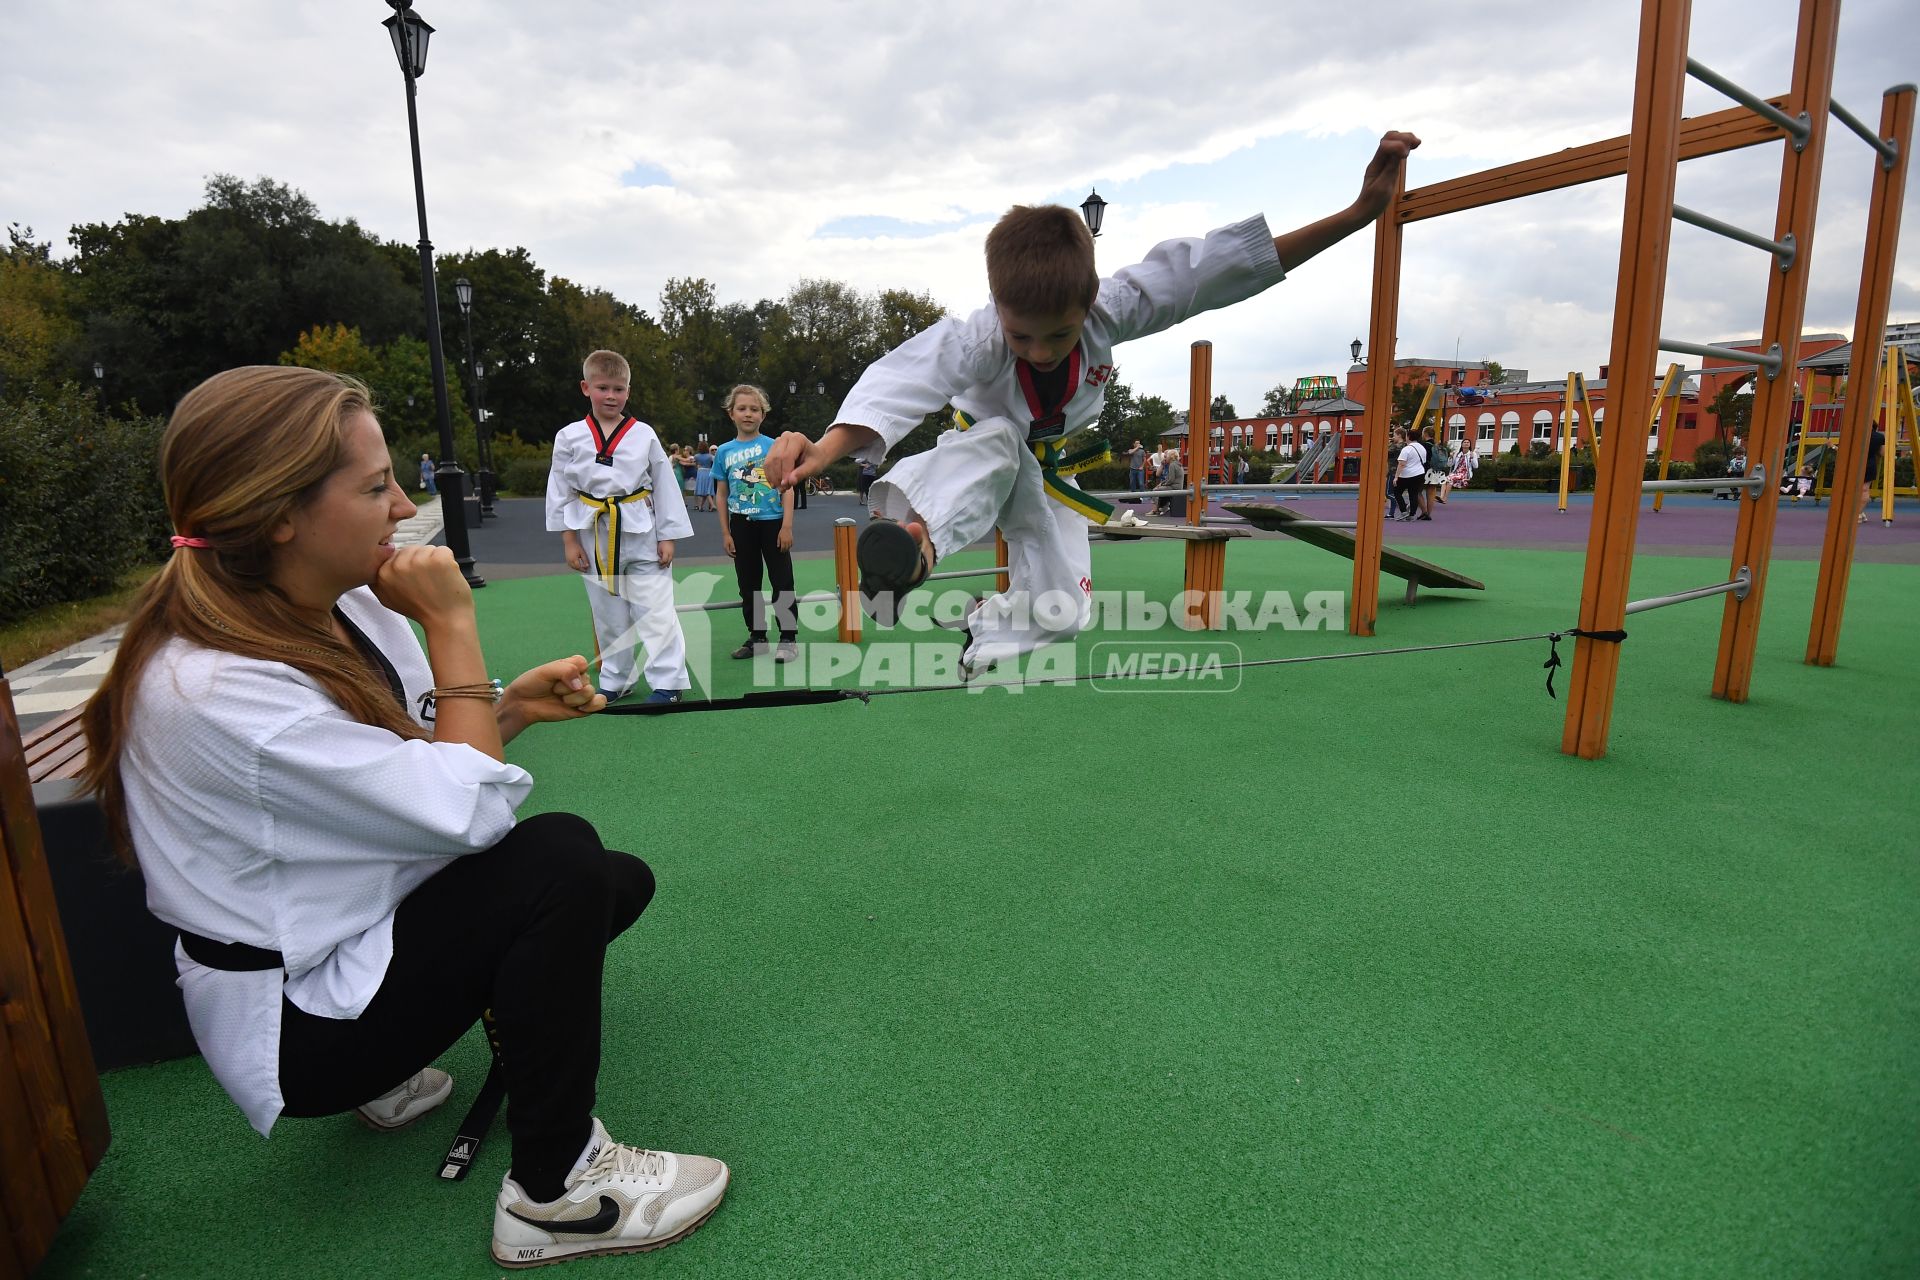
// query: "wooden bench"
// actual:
[[57, 749], [53, 1120], [1206, 572]]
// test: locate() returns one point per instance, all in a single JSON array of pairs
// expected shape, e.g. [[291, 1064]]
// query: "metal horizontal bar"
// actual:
[[1708, 135], [1888, 148], [1755, 482], [1738, 588], [1140, 495], [1799, 126], [1771, 361], [965, 573], [1783, 250], [716, 605], [1283, 487]]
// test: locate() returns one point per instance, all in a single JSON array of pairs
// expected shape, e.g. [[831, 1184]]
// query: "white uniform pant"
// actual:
[[964, 486], [639, 612]]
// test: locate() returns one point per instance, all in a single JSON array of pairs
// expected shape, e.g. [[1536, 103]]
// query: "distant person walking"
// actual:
[[703, 480], [426, 475], [1136, 468]]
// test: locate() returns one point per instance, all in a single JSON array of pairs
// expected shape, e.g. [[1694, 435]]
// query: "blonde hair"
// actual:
[[766, 405], [244, 450], [606, 362], [1040, 261]]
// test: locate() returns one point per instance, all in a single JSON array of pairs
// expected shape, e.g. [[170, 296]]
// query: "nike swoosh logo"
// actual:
[[598, 1224]]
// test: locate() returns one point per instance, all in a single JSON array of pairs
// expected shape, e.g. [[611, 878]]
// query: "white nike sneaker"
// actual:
[[399, 1107], [626, 1200]]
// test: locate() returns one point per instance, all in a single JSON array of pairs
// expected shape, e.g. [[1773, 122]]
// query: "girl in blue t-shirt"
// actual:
[[756, 526]]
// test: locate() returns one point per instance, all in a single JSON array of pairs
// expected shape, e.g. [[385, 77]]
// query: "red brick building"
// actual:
[[1498, 418]]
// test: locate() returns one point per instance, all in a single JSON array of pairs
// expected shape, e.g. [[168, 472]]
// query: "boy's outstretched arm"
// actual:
[[794, 458], [1376, 189]]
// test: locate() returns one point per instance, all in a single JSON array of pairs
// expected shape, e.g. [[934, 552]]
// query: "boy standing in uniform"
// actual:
[[1022, 374], [755, 525], [612, 481]]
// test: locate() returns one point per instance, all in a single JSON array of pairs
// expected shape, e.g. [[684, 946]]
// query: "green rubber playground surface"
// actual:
[[1344, 972]]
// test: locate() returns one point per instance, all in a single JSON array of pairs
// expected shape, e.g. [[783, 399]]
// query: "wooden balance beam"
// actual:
[[1418, 573], [1206, 565]]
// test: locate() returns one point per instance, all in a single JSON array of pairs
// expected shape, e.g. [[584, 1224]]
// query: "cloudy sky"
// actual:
[[756, 144]]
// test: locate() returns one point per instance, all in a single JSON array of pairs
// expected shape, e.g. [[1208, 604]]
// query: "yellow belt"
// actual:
[[1057, 463], [606, 524]]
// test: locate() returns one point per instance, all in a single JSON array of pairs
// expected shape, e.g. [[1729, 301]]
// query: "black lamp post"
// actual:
[[1355, 348], [410, 33], [1094, 210], [482, 435]]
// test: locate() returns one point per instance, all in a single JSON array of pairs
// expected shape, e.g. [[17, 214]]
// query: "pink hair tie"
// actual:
[[179, 541]]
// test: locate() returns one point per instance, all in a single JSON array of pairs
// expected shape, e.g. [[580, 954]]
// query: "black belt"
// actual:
[[238, 957], [233, 957]]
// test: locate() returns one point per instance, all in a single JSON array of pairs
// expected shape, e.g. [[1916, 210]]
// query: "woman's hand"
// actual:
[[792, 458], [784, 540], [425, 584], [557, 690], [663, 548]]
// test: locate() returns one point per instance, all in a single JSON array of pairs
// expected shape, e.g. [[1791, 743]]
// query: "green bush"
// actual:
[[524, 477], [80, 499]]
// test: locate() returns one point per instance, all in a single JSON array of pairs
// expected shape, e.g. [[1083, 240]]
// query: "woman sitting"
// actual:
[[322, 808]]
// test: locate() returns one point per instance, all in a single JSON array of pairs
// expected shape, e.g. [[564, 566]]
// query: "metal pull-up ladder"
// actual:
[[1650, 213]]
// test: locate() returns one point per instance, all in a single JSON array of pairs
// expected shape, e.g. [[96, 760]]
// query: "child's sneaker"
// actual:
[[661, 698], [399, 1107], [626, 1200], [786, 651]]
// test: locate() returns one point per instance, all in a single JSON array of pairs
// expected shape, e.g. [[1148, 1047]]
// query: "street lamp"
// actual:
[[819, 388], [463, 297], [1355, 348], [483, 437], [1094, 210], [410, 33]]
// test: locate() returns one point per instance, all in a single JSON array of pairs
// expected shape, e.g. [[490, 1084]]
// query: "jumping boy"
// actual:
[[756, 526], [1022, 374], [613, 481]]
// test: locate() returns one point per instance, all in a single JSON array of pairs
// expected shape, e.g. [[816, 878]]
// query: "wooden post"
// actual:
[[1199, 416], [846, 578], [1363, 606], [1001, 583], [1811, 93], [1205, 580], [1648, 225], [53, 1120]]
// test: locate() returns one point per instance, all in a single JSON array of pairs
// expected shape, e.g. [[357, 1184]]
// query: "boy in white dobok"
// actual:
[[613, 483], [1022, 374]]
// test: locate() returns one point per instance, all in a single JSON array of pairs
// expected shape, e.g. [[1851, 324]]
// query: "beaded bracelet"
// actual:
[[491, 690]]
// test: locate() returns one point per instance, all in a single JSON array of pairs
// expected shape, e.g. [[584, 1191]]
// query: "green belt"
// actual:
[[1057, 463]]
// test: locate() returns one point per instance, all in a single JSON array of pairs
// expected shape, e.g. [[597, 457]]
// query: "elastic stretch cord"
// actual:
[[811, 697]]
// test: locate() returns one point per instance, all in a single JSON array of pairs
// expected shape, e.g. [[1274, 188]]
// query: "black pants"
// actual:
[[522, 929], [1408, 491], [754, 542]]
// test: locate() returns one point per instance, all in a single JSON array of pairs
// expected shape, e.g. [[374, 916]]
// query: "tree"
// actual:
[[1154, 416], [1222, 410], [1732, 409], [1407, 396], [1279, 401], [39, 337], [1116, 425], [1496, 373]]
